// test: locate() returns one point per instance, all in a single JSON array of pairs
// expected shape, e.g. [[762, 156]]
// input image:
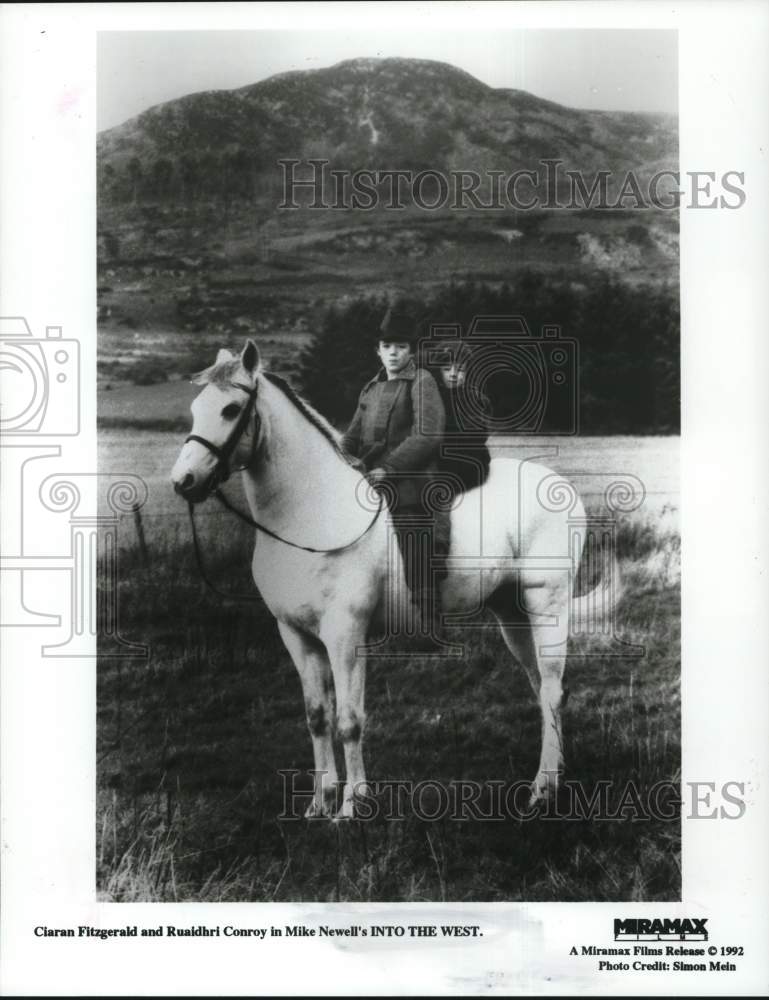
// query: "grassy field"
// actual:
[[192, 740]]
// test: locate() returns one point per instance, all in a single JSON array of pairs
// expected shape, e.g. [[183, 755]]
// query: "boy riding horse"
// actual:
[[396, 434]]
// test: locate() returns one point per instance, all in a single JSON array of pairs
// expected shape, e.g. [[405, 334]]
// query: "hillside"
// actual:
[[192, 242], [373, 113]]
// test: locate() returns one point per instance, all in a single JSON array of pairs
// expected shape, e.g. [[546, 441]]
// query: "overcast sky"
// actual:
[[625, 70]]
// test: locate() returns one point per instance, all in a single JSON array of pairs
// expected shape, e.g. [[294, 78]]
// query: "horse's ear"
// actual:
[[224, 355], [250, 357]]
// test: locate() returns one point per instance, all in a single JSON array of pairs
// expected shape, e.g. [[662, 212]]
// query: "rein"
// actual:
[[222, 473], [295, 545]]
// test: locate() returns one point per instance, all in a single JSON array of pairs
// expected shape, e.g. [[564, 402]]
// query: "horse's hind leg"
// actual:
[[548, 608], [314, 669], [518, 641], [538, 642], [516, 630]]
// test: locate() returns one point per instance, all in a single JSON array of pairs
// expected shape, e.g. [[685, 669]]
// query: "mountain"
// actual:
[[192, 240], [372, 113]]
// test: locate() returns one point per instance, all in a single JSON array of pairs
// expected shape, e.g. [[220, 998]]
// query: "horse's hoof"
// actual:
[[317, 811], [346, 812], [544, 789]]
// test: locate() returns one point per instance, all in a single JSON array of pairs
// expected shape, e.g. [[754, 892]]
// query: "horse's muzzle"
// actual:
[[184, 486], [193, 490]]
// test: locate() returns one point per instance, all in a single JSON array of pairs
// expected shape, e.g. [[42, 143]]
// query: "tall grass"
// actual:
[[192, 740]]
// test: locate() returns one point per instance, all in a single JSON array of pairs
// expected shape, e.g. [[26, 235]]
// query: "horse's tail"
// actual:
[[593, 608]]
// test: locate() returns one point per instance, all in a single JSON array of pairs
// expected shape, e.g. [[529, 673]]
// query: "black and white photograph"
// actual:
[[400, 334], [383, 509]]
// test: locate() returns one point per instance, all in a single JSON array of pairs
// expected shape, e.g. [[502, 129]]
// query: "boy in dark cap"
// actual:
[[396, 434]]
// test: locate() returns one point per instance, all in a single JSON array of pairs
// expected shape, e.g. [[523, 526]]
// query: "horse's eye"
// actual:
[[231, 411]]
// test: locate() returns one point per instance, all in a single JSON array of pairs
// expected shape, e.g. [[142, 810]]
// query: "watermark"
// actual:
[[41, 404], [42, 381], [317, 185], [499, 378], [431, 799], [508, 379]]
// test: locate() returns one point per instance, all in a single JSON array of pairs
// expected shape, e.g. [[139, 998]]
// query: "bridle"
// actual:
[[222, 472], [223, 454]]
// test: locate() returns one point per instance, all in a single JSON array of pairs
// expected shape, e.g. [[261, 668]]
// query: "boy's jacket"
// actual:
[[398, 426]]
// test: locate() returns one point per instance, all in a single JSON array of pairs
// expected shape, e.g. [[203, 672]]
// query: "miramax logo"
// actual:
[[645, 929]]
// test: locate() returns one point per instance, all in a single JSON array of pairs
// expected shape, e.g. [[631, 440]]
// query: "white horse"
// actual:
[[326, 567]]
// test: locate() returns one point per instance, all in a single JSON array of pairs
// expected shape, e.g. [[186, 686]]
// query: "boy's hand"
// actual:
[[356, 464], [377, 475]]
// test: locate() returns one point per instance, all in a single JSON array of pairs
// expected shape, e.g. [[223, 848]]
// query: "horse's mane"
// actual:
[[318, 421], [222, 374]]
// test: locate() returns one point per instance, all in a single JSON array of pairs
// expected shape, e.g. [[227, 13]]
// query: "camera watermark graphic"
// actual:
[[41, 381], [510, 381], [40, 403], [523, 530]]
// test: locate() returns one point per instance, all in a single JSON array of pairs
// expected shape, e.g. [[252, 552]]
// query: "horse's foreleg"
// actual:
[[349, 669], [314, 669]]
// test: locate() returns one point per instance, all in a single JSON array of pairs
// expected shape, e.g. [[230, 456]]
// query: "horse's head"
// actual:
[[225, 425]]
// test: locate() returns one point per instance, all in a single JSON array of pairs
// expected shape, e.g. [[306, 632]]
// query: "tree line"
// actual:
[[618, 362], [229, 176]]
